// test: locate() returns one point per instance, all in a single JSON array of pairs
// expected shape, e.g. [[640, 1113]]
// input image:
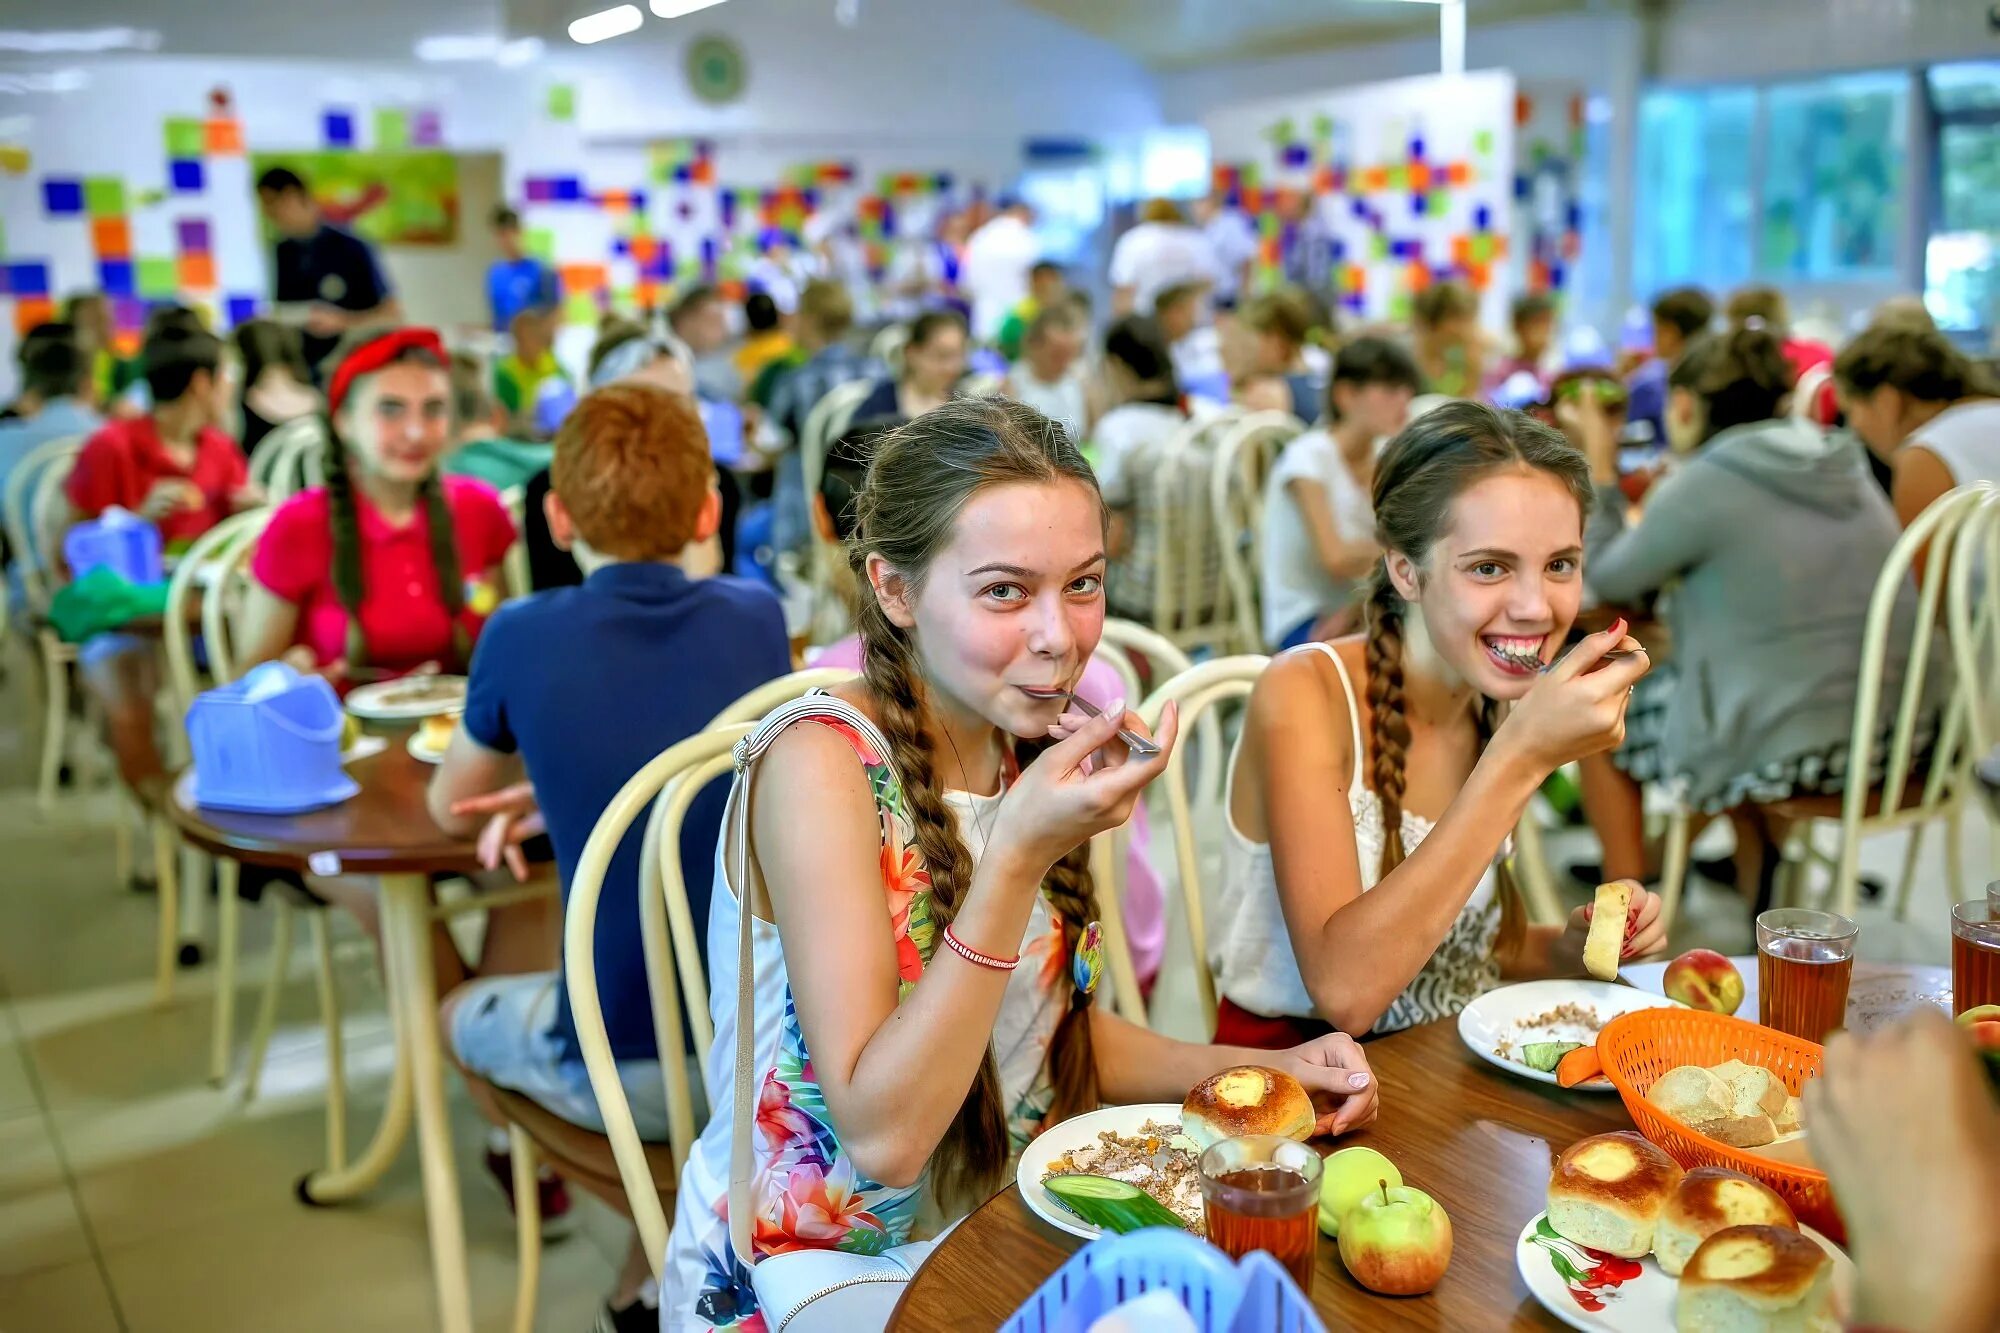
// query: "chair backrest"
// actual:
[[827, 422], [1198, 690], [514, 571], [1974, 617], [19, 506], [1951, 755], [227, 587], [888, 346], [1191, 600], [291, 458], [1806, 393], [1244, 456], [706, 753], [49, 514], [205, 564]]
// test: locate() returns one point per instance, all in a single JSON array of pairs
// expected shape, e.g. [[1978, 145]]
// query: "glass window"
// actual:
[[1833, 181], [1962, 256], [1694, 221]]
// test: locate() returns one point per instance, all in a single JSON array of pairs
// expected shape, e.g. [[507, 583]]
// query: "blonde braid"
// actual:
[[1388, 728]]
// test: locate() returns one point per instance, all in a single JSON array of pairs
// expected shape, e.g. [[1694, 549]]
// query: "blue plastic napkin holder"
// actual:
[[119, 540], [1254, 1295], [268, 743]]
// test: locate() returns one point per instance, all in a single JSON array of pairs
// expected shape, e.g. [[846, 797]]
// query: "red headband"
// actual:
[[376, 353]]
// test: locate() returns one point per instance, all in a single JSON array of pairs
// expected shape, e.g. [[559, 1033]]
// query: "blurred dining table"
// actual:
[[384, 830], [1479, 1140]]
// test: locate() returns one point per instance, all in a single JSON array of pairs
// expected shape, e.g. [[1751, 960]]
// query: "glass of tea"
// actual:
[[1804, 962], [1261, 1192], [1975, 954]]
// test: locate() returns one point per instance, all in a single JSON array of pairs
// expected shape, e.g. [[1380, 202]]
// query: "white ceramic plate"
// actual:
[[422, 752], [1608, 1296], [1080, 1132], [1494, 1021], [407, 699]]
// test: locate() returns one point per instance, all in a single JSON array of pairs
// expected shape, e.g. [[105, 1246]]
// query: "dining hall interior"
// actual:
[[969, 664]]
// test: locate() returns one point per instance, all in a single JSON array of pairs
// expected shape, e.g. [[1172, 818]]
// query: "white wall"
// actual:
[[1704, 41]]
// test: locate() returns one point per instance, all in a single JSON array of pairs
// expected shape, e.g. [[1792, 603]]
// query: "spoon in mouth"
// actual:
[[1531, 662], [1140, 746]]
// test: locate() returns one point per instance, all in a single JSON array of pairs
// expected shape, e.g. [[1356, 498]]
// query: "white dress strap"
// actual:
[[1353, 707]]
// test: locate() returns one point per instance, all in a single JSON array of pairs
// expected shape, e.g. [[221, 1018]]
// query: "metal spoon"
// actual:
[[1140, 746]]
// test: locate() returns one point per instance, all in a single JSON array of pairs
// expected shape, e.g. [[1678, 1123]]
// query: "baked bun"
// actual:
[[1607, 1192], [1248, 1099], [1709, 1199], [1756, 1280], [436, 730], [1692, 1095]]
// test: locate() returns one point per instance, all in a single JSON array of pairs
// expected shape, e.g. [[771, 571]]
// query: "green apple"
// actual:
[[1396, 1240], [1345, 1177]]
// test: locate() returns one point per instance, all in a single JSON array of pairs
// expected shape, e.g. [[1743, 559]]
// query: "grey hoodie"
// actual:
[[1771, 539]]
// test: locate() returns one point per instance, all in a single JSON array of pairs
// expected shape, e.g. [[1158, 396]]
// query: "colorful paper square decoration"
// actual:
[[427, 128], [539, 242], [197, 271], [104, 196], [241, 309], [185, 137], [115, 276], [392, 129], [337, 128], [28, 279], [111, 238], [159, 278], [223, 138], [62, 198], [186, 175], [32, 311], [193, 236], [562, 101]]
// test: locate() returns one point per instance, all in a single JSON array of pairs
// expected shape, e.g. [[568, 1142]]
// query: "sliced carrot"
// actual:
[[1579, 1066]]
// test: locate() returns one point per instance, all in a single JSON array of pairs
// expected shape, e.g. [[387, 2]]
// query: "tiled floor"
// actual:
[[133, 1196]]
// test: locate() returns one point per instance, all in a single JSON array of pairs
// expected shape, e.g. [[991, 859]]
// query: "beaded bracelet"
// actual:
[[972, 955]]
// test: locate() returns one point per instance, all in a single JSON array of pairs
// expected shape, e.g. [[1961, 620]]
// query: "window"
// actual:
[[1833, 177], [1962, 255], [1696, 201]]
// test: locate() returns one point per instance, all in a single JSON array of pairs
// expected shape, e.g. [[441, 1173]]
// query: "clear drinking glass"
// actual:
[[1804, 962], [1975, 954], [1261, 1192]]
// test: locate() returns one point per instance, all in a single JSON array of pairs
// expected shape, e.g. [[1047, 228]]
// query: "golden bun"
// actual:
[[1711, 1199], [436, 730], [1248, 1099], [1762, 1278], [1607, 1192]]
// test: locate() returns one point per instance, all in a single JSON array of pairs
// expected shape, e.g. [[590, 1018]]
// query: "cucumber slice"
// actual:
[[1546, 1055], [1116, 1205]]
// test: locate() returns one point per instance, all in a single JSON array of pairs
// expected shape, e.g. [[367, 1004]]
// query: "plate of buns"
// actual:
[[1518, 1027], [1158, 1145], [1632, 1242]]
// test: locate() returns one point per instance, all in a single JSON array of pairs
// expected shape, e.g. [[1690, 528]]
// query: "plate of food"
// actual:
[[407, 698], [1121, 1167], [1630, 1242], [1547, 1030], [432, 736]]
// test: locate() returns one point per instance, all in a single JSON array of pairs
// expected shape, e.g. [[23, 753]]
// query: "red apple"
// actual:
[[1704, 979], [1396, 1240]]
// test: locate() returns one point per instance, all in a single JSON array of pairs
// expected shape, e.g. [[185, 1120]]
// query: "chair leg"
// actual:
[[527, 1229], [336, 1042], [267, 1009], [194, 904], [1907, 881], [55, 721], [121, 843], [1673, 873], [1954, 862], [228, 943], [168, 945]]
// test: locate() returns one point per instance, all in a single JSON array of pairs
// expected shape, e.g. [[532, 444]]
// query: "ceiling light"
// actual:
[[520, 51], [673, 9], [606, 23], [81, 40]]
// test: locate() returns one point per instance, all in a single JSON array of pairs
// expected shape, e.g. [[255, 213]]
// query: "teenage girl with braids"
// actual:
[[388, 566], [918, 874], [1398, 915]]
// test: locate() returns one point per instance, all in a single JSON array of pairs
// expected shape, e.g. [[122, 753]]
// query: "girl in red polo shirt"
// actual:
[[388, 566]]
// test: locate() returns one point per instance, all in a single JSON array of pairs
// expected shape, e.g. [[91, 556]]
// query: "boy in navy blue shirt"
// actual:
[[577, 689]]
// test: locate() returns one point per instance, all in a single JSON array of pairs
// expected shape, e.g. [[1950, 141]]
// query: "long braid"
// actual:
[[444, 559], [1388, 727], [974, 1150], [1071, 893], [344, 521]]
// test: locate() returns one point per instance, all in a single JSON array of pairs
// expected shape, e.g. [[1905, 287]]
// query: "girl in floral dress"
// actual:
[[918, 877]]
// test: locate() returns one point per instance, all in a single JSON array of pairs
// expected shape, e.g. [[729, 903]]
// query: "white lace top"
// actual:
[[1255, 967]]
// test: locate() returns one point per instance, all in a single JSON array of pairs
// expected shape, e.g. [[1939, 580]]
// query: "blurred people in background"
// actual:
[[1047, 286], [1533, 319], [1319, 523], [1145, 413], [1277, 326], [529, 365], [1232, 240], [1449, 347], [826, 314], [1921, 406], [1679, 316], [516, 281], [998, 258], [765, 341], [479, 443], [326, 280], [276, 383], [1049, 376], [1160, 252], [1179, 314], [701, 322], [56, 380], [1765, 307], [89, 313], [933, 364]]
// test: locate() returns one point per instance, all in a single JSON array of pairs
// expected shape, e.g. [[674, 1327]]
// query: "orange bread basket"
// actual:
[[1637, 1048]]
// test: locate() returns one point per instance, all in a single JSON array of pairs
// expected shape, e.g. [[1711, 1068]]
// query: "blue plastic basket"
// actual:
[[1222, 1297], [125, 543], [268, 743]]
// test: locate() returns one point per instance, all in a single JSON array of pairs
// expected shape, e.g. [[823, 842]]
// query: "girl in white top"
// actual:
[[1923, 407], [1049, 376], [1395, 916], [1319, 529], [918, 870]]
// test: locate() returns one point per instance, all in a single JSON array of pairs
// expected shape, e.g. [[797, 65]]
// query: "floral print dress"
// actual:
[[807, 1192]]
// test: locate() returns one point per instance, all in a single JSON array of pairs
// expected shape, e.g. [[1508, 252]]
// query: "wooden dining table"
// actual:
[[1477, 1139], [384, 830]]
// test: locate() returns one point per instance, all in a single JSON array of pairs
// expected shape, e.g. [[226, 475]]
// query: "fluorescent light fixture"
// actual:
[[606, 23], [673, 9], [79, 40], [520, 51]]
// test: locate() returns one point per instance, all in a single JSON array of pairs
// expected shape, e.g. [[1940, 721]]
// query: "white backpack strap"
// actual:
[[747, 752]]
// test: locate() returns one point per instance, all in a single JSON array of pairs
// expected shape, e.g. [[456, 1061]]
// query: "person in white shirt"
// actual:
[[1319, 522], [1923, 407], [1233, 241], [1126, 445], [1181, 311], [1049, 375], [998, 258], [1162, 251]]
